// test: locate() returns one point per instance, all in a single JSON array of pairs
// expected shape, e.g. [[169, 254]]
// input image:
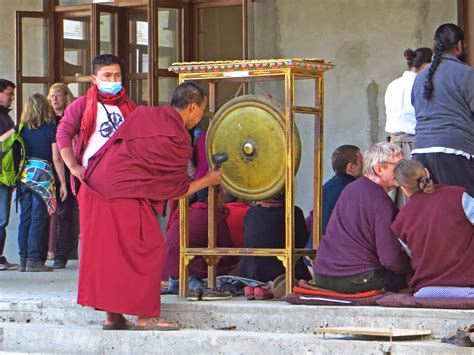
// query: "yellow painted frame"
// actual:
[[288, 70]]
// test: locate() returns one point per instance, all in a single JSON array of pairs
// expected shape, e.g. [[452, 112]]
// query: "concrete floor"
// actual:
[[11, 247], [58, 284]]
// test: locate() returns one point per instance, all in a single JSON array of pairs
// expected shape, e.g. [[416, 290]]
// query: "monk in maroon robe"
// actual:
[[126, 183]]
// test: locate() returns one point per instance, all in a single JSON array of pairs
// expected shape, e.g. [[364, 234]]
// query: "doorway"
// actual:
[[149, 35]]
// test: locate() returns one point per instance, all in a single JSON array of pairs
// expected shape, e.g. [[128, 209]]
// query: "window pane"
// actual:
[[138, 41], [34, 47], [30, 89], [138, 91], [108, 33], [168, 37], [79, 89], [166, 87], [220, 33], [77, 46]]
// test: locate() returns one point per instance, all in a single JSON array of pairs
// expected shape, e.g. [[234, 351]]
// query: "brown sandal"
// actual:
[[159, 324], [122, 324]]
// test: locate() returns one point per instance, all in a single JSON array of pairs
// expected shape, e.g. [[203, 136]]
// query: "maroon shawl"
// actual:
[[147, 158]]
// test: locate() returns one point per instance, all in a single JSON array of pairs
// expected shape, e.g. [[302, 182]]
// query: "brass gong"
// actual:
[[251, 130]]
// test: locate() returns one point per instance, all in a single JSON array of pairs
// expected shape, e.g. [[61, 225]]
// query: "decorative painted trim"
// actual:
[[308, 65]]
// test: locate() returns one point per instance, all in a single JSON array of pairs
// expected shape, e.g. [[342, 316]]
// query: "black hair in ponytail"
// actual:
[[446, 38]]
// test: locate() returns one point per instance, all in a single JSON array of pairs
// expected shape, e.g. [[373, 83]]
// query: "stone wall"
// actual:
[[366, 40]]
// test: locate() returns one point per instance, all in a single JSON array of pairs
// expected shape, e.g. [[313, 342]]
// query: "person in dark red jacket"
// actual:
[[436, 225], [198, 215]]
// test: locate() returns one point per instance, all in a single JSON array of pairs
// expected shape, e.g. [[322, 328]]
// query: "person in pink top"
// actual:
[[95, 117]]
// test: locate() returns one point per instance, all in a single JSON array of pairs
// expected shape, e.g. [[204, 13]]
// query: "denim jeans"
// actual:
[[5, 202], [33, 229]]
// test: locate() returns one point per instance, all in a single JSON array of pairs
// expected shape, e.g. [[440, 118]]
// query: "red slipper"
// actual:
[[262, 293], [249, 292]]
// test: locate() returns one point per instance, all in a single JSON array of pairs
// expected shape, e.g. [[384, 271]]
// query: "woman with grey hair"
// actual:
[[359, 252]]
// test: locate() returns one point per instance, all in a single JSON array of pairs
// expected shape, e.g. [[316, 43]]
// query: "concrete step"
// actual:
[[73, 339], [243, 315]]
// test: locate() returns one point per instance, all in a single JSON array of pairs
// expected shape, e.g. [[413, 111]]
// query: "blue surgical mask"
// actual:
[[110, 87]]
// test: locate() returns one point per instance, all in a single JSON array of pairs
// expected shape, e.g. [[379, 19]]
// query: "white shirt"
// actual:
[[104, 129], [400, 112]]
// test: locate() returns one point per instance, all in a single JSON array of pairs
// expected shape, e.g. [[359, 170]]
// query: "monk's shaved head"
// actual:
[[188, 93]]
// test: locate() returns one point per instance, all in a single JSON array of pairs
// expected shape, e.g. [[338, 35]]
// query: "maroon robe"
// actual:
[[127, 180]]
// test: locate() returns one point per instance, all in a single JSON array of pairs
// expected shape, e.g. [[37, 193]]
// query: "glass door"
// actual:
[[75, 50], [169, 51], [106, 29], [218, 35], [33, 55]]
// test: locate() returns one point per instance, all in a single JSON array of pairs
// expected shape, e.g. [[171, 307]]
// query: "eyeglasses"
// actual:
[[389, 162]]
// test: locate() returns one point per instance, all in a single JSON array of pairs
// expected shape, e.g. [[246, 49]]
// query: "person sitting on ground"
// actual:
[[347, 165], [235, 210], [198, 238], [359, 251], [264, 227], [436, 225]]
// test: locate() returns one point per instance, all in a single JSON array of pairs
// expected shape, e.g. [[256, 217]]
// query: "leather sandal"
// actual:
[[159, 324], [122, 324]]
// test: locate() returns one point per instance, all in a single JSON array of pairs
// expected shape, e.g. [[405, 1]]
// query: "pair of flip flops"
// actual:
[[122, 324], [158, 324]]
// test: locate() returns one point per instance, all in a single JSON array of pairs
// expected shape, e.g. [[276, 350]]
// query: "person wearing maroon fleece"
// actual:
[[436, 225], [91, 120], [198, 238], [359, 251]]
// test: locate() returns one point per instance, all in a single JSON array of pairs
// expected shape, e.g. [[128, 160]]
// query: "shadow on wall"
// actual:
[[372, 92]]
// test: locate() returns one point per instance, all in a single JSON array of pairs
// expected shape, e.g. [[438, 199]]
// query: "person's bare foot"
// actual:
[[156, 323]]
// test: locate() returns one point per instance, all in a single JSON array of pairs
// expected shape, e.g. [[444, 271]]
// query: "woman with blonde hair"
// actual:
[[62, 231], [59, 97], [36, 191], [436, 226]]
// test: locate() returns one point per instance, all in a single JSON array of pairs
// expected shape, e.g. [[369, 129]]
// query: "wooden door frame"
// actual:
[[466, 22]]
